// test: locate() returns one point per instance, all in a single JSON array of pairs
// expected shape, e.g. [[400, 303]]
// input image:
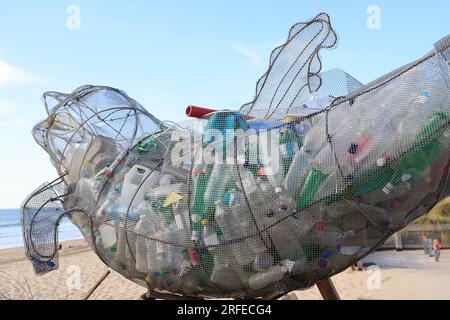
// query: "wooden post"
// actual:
[[97, 284], [327, 289]]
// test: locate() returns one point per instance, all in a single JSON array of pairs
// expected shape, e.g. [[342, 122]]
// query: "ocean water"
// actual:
[[11, 229]]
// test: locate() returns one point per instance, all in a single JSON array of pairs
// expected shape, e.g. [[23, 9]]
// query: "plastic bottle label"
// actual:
[[211, 240], [179, 221]]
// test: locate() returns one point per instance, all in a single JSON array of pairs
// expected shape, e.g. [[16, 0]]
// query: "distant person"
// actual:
[[425, 243], [430, 247], [437, 246]]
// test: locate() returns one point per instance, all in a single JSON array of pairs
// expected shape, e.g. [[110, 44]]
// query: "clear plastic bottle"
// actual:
[[219, 179], [286, 242], [262, 261], [264, 279], [166, 179], [227, 223], [151, 258], [222, 274], [176, 239], [258, 200], [289, 146], [299, 223], [141, 228], [181, 213], [270, 157], [297, 172], [246, 222]]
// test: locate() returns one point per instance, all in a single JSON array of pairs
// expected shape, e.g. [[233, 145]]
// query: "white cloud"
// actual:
[[249, 53], [6, 107], [12, 123], [10, 74]]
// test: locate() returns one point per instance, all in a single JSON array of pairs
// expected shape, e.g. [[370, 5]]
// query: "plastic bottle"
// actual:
[[297, 172], [166, 179], [180, 210], [178, 173], [221, 273], [219, 179], [262, 261], [88, 190], [424, 149], [109, 208], [258, 201], [286, 242], [142, 227], [131, 183], [289, 145], [151, 258], [270, 157], [162, 191], [246, 223], [165, 213], [299, 223], [209, 234], [198, 211], [162, 259], [126, 240], [264, 279], [308, 191], [108, 235], [227, 223], [327, 235], [176, 240]]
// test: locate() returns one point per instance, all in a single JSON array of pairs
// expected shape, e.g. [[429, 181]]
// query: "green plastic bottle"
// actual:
[[309, 189], [167, 212], [424, 150], [289, 146], [198, 212]]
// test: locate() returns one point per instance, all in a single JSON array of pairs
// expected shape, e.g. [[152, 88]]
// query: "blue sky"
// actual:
[[169, 54]]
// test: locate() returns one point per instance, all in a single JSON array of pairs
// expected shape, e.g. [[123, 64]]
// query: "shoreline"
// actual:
[[16, 254]]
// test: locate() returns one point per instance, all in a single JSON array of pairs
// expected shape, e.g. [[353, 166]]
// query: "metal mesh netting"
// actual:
[[305, 180]]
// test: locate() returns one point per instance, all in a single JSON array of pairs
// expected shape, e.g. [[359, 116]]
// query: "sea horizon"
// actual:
[[11, 229]]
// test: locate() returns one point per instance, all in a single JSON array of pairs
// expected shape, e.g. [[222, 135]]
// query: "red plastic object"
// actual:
[[319, 226], [198, 112]]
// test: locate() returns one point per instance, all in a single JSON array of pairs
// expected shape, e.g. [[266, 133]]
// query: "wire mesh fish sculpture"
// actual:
[[310, 176]]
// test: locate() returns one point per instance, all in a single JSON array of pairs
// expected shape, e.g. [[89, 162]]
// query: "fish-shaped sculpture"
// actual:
[[309, 177]]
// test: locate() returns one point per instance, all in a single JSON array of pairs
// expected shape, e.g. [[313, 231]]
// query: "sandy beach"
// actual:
[[387, 275]]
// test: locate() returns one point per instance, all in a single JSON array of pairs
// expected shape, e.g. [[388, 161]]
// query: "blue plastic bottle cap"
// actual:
[[226, 198], [353, 148], [326, 253], [155, 274]]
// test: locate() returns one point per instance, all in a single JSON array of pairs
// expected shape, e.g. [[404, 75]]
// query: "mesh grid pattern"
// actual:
[[312, 175]]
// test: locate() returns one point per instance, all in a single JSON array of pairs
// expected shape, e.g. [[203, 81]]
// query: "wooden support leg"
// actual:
[[99, 282], [327, 289]]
